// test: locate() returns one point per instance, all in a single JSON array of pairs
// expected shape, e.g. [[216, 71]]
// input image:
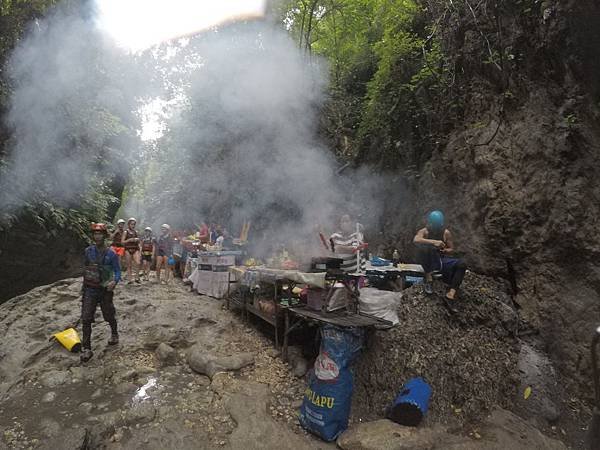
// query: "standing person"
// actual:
[[213, 233], [435, 249], [164, 251], [203, 233], [131, 242], [117, 240], [148, 241], [346, 242], [101, 275], [225, 241]]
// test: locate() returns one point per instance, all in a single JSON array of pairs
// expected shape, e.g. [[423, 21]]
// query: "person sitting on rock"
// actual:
[[435, 247], [101, 275]]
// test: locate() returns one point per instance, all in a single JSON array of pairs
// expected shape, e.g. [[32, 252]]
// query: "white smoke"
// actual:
[[242, 143], [71, 112]]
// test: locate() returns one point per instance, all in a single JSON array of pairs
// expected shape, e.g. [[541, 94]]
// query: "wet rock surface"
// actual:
[[188, 374], [142, 394], [538, 387]]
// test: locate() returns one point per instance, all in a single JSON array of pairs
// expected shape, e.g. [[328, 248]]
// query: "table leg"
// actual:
[[228, 289], [276, 330], [286, 330]]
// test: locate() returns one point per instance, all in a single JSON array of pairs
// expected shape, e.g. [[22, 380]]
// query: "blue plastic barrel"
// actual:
[[411, 404]]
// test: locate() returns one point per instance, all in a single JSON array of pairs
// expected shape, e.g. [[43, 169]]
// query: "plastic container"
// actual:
[[411, 404], [315, 299]]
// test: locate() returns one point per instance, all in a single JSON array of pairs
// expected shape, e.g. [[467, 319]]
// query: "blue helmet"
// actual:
[[435, 220]]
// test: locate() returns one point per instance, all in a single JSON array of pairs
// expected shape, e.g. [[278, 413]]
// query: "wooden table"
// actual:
[[303, 314], [292, 317]]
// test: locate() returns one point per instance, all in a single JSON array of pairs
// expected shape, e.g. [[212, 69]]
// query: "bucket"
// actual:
[[69, 340], [411, 404]]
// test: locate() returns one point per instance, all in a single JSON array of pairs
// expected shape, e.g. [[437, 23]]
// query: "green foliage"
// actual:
[[92, 206], [388, 73], [92, 133]]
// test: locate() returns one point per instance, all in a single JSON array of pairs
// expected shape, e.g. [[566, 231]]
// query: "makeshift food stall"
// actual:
[[210, 276], [275, 296]]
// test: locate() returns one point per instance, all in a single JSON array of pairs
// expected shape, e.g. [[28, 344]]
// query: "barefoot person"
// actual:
[[148, 241], [131, 242], [435, 249], [164, 251], [101, 275]]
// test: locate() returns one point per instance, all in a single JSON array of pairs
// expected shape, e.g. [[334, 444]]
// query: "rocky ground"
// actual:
[[143, 393], [187, 374]]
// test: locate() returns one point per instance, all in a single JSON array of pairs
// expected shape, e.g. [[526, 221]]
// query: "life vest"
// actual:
[[128, 235], [92, 274], [117, 238], [147, 246], [165, 243]]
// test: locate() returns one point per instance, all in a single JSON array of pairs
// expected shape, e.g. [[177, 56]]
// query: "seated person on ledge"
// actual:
[[435, 248]]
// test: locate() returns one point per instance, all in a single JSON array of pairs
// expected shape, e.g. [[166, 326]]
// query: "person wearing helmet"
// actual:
[[101, 275], [117, 240], [131, 242], [164, 252], [435, 249], [148, 242]]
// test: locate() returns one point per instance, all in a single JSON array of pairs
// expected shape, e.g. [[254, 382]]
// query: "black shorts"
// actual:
[[91, 299], [146, 257]]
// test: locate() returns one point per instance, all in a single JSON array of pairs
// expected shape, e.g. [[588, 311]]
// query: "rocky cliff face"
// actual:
[[518, 178], [31, 256]]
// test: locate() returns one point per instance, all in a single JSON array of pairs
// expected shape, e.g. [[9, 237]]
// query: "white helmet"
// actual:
[[131, 219], [148, 229], [120, 221], [165, 226]]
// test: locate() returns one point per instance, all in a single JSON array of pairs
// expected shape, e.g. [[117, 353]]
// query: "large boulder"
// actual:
[[386, 435], [166, 354], [209, 364], [502, 430], [537, 373]]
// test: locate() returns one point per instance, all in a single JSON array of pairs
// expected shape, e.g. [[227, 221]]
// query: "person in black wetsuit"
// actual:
[[164, 251], [435, 249]]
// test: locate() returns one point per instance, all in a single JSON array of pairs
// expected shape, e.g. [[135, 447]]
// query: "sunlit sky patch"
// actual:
[[139, 24]]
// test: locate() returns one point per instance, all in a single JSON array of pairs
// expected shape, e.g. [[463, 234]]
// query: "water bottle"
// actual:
[[395, 258]]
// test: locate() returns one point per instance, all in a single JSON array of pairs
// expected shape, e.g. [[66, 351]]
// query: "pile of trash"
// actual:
[[468, 358]]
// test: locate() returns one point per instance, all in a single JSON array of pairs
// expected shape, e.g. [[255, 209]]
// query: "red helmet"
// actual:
[[99, 227]]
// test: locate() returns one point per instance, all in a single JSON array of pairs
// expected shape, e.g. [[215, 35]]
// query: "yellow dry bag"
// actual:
[[69, 340]]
